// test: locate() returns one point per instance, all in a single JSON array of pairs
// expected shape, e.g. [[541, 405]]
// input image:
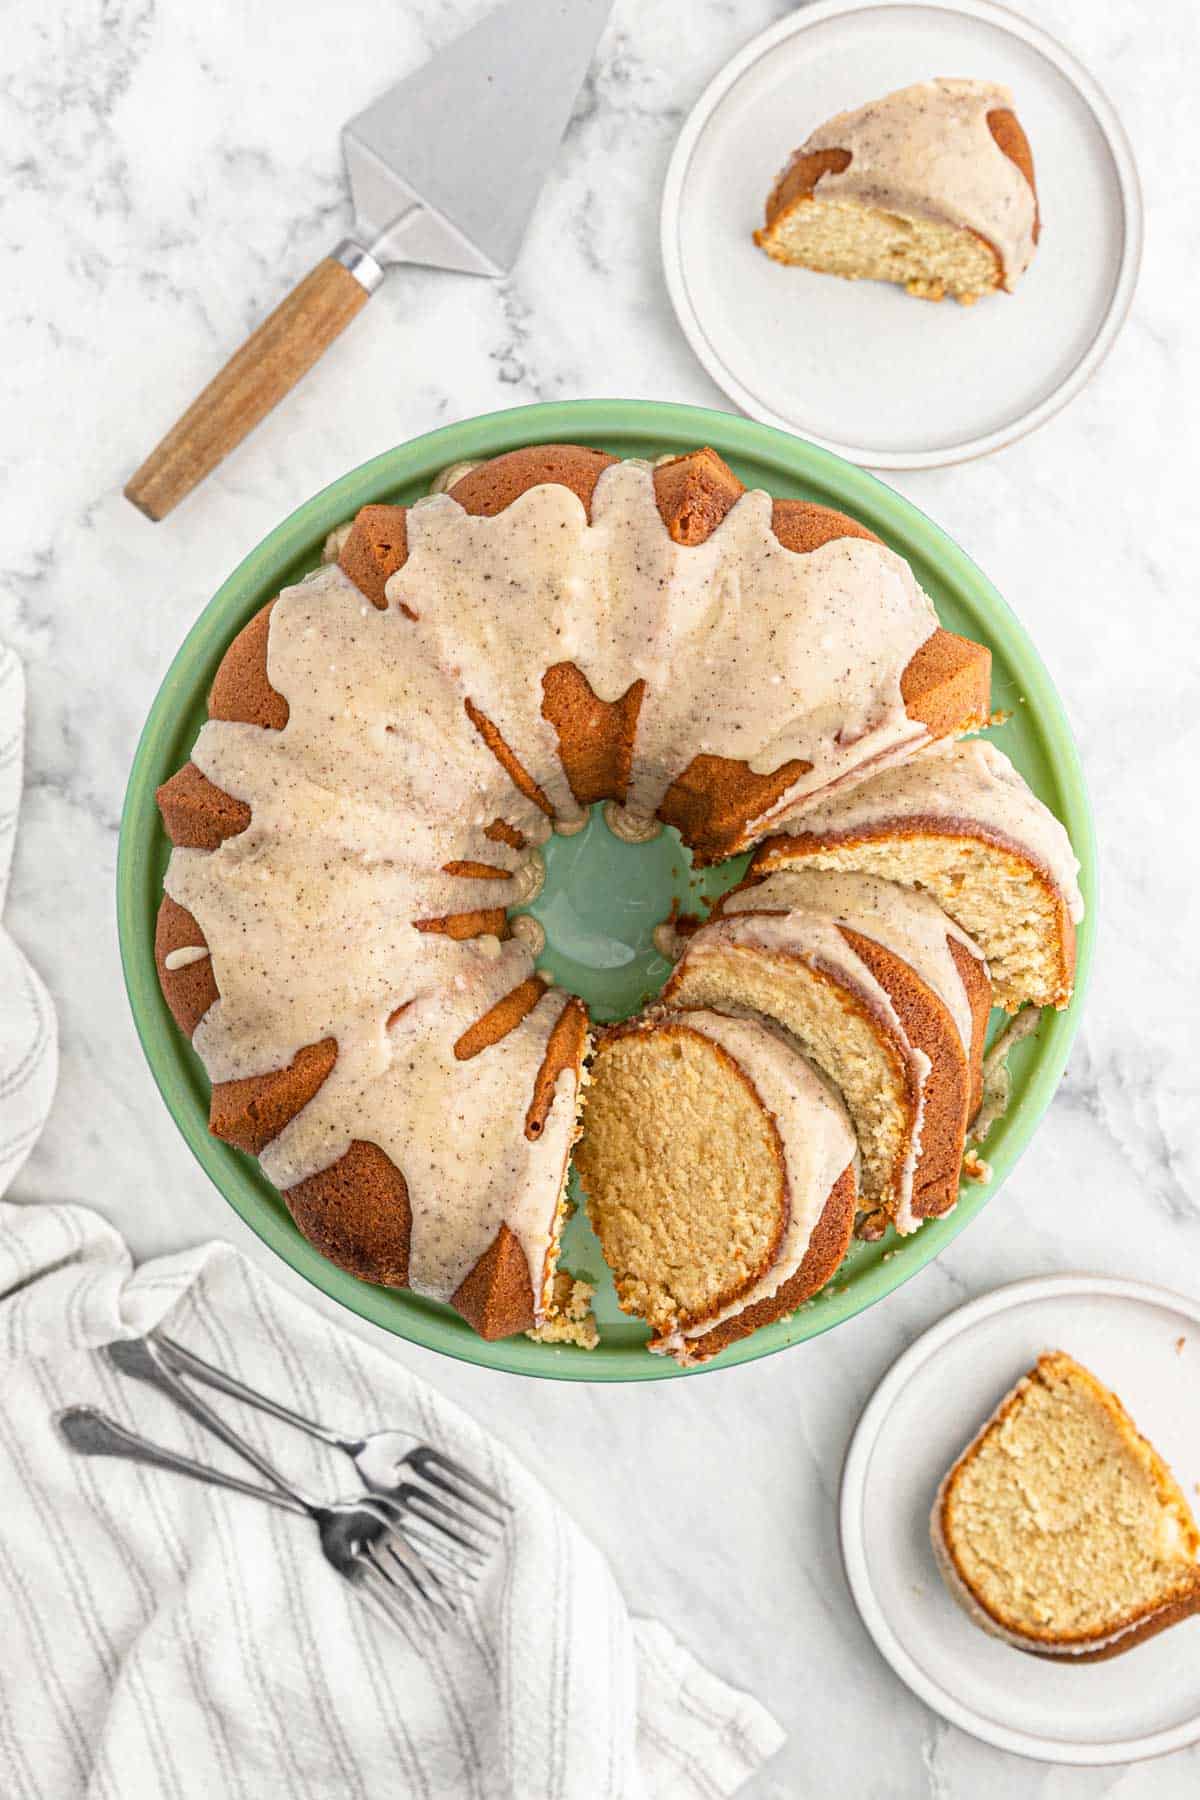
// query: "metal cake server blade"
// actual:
[[447, 166], [445, 170]]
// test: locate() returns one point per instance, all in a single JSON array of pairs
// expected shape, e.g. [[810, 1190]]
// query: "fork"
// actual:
[[355, 1538], [405, 1509], [380, 1457]]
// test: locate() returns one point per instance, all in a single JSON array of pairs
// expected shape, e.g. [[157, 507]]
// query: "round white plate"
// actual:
[[916, 1425], [860, 367]]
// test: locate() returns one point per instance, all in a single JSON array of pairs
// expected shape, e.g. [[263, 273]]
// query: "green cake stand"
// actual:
[[602, 897]]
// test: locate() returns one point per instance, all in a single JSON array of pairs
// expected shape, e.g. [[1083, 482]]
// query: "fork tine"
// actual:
[[418, 1569], [440, 1600], [432, 1466], [440, 1609], [443, 1557], [382, 1598], [484, 1524], [426, 1454], [395, 1518], [443, 1518]]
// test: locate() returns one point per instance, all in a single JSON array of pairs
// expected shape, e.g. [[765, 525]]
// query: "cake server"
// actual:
[[445, 170]]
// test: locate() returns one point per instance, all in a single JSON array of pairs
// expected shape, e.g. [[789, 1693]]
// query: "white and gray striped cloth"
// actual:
[[160, 1639], [28, 1040]]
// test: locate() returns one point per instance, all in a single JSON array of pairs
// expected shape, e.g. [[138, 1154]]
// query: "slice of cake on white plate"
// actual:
[[1060, 1529], [931, 187]]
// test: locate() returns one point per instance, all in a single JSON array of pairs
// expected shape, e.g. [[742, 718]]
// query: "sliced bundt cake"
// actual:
[[961, 823], [390, 740], [931, 187], [1060, 1529], [719, 1173], [888, 997]]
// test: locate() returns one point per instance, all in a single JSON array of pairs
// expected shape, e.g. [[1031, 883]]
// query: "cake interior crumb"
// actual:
[[569, 1318]]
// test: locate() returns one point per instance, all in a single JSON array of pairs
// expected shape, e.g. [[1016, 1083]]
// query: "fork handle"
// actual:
[[142, 1360], [93, 1433], [186, 1362]]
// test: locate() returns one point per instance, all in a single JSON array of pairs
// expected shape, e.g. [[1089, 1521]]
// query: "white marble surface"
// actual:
[[169, 171]]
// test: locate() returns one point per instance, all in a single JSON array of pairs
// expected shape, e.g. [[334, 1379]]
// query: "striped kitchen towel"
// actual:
[[28, 1041], [161, 1640]]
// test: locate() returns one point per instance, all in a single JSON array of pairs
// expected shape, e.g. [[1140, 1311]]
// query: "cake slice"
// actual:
[[888, 998], [1060, 1529], [931, 187], [719, 1174], [960, 822]]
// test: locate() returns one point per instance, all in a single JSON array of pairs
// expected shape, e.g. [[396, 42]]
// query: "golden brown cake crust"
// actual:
[[376, 547], [797, 184], [357, 1214], [190, 991], [972, 972], [196, 814], [1124, 1632], [251, 1112], [565, 1049], [949, 1084], [241, 693], [1009, 134], [496, 1299], [827, 1246]]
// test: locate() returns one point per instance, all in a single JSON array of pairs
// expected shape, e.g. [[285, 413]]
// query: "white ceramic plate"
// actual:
[[860, 367], [920, 1419]]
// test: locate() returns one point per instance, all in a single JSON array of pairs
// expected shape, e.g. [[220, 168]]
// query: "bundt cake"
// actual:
[[389, 742], [962, 824], [887, 996], [931, 187], [1060, 1529], [719, 1172]]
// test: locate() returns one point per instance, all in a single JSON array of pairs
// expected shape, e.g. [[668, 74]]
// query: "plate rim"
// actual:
[[1109, 329], [855, 1467], [634, 421]]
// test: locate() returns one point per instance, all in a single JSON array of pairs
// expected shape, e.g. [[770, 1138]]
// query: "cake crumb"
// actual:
[[1179, 1345], [976, 1169], [569, 1319], [336, 541]]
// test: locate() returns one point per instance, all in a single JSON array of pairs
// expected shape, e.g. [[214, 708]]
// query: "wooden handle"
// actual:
[[268, 365]]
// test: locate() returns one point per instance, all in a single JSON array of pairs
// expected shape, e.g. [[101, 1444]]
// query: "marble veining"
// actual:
[[168, 173]]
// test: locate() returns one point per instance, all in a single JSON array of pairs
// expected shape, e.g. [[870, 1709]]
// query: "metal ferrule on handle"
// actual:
[[362, 265]]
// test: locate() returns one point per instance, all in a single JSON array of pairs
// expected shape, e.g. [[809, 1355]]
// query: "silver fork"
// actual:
[[382, 1458], [356, 1539], [400, 1514]]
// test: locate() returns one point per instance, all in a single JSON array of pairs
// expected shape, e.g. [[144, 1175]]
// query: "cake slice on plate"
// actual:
[[931, 187], [1060, 1529]]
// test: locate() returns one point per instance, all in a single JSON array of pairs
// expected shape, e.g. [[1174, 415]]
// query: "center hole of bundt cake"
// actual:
[[601, 903]]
